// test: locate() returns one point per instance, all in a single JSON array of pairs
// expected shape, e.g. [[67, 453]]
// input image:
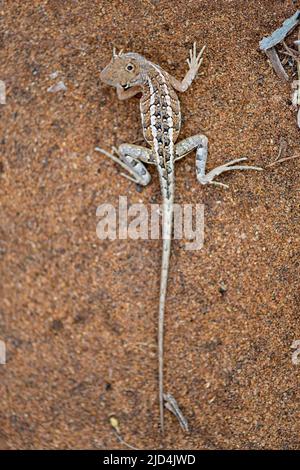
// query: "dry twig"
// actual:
[[283, 160], [268, 44]]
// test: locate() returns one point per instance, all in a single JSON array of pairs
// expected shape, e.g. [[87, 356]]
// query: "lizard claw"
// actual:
[[195, 60], [209, 177]]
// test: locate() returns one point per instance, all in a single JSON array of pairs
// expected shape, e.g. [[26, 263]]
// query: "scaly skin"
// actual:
[[130, 74]]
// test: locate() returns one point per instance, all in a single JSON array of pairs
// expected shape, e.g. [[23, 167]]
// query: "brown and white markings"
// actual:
[[131, 73]]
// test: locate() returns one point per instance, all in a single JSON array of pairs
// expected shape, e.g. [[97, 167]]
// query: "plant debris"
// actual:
[[281, 160], [115, 425], [268, 45], [276, 64], [279, 34]]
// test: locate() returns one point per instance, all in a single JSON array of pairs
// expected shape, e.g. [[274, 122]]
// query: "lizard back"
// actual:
[[160, 114]]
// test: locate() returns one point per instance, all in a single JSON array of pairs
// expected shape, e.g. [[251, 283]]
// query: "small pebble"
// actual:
[[60, 86]]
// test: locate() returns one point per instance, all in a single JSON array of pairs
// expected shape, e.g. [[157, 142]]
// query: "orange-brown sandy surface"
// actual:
[[79, 314]]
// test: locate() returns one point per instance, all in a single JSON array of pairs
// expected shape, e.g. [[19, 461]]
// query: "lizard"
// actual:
[[131, 73]]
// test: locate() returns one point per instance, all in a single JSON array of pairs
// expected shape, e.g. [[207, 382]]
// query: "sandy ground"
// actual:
[[79, 315]]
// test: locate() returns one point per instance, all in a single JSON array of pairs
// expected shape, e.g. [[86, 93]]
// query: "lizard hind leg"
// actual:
[[208, 178], [185, 146], [130, 157], [200, 142]]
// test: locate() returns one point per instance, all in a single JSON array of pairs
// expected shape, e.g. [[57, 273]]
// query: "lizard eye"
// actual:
[[129, 67]]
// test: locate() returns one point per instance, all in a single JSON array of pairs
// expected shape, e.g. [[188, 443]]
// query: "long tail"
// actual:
[[167, 230]]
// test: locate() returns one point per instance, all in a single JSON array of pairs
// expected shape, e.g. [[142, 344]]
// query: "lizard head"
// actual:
[[124, 69]]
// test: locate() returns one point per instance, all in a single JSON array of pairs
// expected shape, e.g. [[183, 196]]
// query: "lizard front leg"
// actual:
[[200, 142], [194, 62], [130, 157]]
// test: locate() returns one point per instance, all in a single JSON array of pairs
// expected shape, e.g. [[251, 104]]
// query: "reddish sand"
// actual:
[[79, 315]]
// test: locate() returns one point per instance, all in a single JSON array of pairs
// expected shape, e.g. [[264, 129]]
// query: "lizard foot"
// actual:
[[172, 405], [209, 178], [195, 60], [135, 168]]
